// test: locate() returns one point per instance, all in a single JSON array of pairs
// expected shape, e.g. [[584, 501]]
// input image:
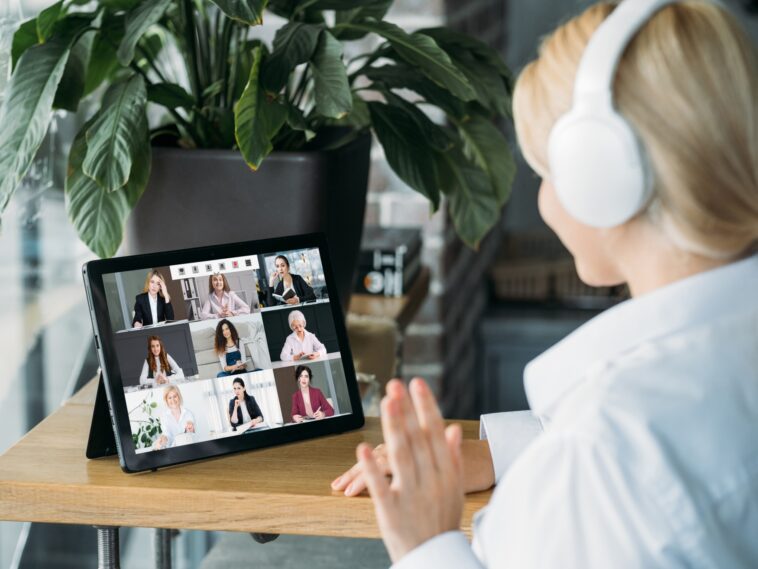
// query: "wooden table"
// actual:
[[45, 477]]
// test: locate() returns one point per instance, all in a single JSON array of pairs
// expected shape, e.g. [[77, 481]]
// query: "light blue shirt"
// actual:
[[650, 452]]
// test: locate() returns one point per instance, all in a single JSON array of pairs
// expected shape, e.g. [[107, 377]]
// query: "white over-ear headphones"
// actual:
[[597, 163]]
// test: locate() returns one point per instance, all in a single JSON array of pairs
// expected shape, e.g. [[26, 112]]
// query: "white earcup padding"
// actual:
[[598, 168]]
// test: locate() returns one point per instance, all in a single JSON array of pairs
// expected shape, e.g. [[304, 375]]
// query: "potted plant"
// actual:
[[189, 74]]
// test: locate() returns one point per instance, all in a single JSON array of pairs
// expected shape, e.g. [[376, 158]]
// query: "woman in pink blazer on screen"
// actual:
[[308, 402]]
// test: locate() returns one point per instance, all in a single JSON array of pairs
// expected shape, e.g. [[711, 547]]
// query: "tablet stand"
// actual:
[[102, 440]]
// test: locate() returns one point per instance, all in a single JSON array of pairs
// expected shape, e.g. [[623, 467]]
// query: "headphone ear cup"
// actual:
[[598, 168]]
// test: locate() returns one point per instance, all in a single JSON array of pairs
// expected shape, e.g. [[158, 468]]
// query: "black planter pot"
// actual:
[[210, 197]]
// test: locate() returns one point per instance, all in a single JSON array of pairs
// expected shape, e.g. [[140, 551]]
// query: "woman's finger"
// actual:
[[377, 483], [401, 460], [431, 424], [417, 440]]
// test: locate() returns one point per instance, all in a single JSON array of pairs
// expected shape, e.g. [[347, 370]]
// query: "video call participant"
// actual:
[[649, 456], [284, 284], [153, 305], [243, 408], [301, 344], [222, 301], [175, 418], [308, 402], [159, 366], [227, 345]]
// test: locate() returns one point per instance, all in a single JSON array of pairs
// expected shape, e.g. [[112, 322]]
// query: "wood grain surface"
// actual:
[[45, 477]]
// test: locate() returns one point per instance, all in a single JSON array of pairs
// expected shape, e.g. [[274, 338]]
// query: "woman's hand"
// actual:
[[164, 291], [298, 418], [478, 470], [272, 279], [313, 356], [319, 414], [425, 496], [189, 427], [161, 378], [137, 324], [293, 300]]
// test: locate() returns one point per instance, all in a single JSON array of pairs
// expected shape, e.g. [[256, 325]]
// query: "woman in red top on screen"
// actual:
[[308, 402]]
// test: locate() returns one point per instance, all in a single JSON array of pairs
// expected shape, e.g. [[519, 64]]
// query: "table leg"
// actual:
[[163, 548], [107, 547]]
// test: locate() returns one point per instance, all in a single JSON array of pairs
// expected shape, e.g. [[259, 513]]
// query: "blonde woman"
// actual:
[[176, 419], [649, 455], [153, 305], [301, 344]]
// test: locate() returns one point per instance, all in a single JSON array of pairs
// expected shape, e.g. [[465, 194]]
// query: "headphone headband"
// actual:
[[597, 68]]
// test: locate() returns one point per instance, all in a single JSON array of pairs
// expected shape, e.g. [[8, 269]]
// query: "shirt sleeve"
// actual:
[[238, 305], [205, 312], [318, 346], [222, 361], [447, 550], [569, 502], [143, 380], [508, 434], [286, 355], [178, 373]]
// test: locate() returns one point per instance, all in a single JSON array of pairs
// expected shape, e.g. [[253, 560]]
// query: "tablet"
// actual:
[[221, 349]]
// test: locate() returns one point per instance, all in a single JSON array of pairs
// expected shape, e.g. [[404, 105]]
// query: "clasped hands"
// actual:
[[424, 496]]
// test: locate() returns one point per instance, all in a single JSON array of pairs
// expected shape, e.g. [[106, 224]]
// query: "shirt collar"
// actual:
[[681, 304]]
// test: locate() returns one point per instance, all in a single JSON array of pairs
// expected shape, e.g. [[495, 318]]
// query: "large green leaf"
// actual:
[[248, 12], [421, 51], [71, 87], [47, 19], [25, 114], [332, 90], [147, 14], [473, 206], [437, 137], [114, 137], [169, 95], [103, 61], [294, 44], [401, 76], [491, 152], [406, 150], [256, 118], [376, 10], [448, 38], [97, 215], [24, 38]]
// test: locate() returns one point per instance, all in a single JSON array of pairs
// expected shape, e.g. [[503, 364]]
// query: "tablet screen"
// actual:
[[225, 347]]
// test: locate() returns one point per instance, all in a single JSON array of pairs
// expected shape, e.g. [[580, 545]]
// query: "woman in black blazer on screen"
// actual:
[[153, 305], [282, 282], [243, 408]]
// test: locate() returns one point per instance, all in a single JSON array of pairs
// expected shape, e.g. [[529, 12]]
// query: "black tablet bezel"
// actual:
[[133, 462]]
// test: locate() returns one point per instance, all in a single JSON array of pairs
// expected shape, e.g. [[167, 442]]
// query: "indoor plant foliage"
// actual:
[[233, 91]]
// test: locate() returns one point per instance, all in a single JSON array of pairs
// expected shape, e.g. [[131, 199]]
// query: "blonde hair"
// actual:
[[688, 83], [168, 390], [152, 273]]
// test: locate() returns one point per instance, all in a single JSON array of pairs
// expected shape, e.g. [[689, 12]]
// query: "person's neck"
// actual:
[[649, 261], [300, 335], [219, 293], [152, 295], [230, 342], [305, 389]]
